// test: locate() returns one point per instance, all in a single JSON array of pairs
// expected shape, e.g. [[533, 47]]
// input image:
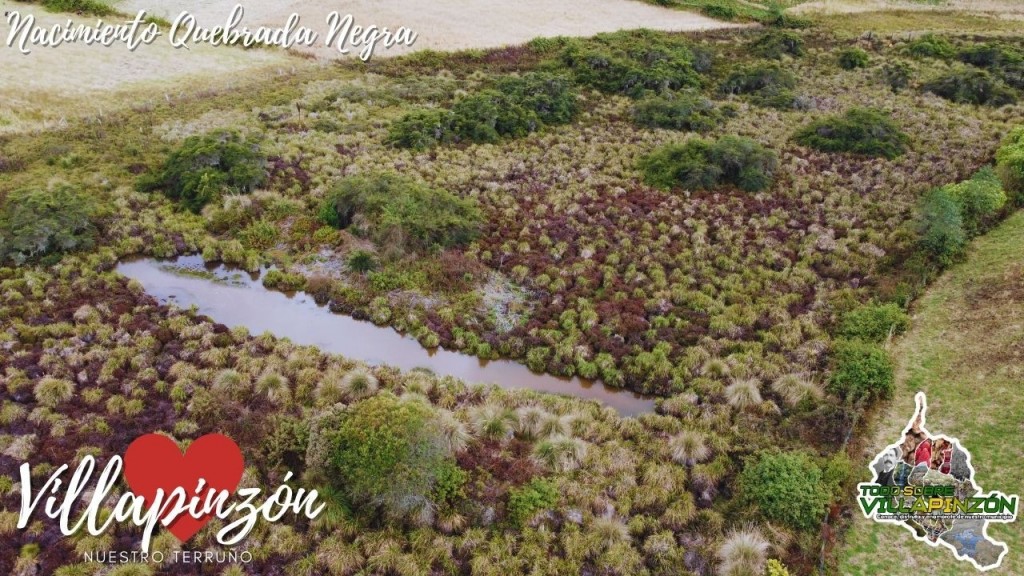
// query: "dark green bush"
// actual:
[[786, 487], [488, 115], [631, 63], [1003, 61], [421, 129], [36, 223], [396, 211], [940, 227], [931, 46], [389, 455], [684, 165], [767, 84], [700, 164], [518, 106], [990, 55], [853, 58], [526, 501], [684, 112], [775, 44], [549, 96], [361, 261], [896, 75], [874, 322], [205, 167], [861, 371], [971, 86], [858, 131], [1010, 165]]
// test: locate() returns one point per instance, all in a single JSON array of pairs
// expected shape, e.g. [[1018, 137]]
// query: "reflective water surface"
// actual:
[[237, 298]]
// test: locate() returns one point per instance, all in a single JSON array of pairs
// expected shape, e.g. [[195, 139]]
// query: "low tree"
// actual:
[[786, 487], [35, 223], [862, 131], [390, 455], [206, 167]]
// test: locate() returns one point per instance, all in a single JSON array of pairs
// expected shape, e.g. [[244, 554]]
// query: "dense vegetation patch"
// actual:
[[787, 487], [1010, 165], [862, 371], [703, 165], [931, 46], [971, 86], [874, 322], [205, 168], [389, 454], [853, 58], [631, 64], [777, 43], [35, 223], [683, 111], [396, 211], [515, 108], [857, 131], [768, 84], [1002, 60]]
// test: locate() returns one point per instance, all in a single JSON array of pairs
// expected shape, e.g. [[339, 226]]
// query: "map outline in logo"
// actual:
[[916, 425]]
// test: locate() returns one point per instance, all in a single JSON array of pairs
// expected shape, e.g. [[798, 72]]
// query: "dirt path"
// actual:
[[50, 85], [450, 24]]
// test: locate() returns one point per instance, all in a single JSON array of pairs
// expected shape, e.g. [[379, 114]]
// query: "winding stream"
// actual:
[[237, 298]]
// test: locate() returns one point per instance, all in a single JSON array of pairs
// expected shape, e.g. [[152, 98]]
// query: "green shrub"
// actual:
[[279, 280], [390, 454], [896, 75], [874, 322], [551, 97], [488, 115], [940, 227], [979, 200], [685, 112], [853, 58], [768, 84], [361, 261], [971, 86], [786, 487], [775, 44], [990, 55], [858, 131], [259, 235], [931, 46], [631, 63], [1005, 62], [1010, 165], [421, 129], [861, 371], [393, 210], [526, 501], [36, 223], [519, 105], [205, 167], [700, 164]]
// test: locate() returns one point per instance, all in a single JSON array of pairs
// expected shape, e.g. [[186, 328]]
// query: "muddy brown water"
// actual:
[[237, 298]]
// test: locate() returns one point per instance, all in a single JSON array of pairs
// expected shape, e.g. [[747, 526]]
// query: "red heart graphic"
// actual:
[[155, 462]]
